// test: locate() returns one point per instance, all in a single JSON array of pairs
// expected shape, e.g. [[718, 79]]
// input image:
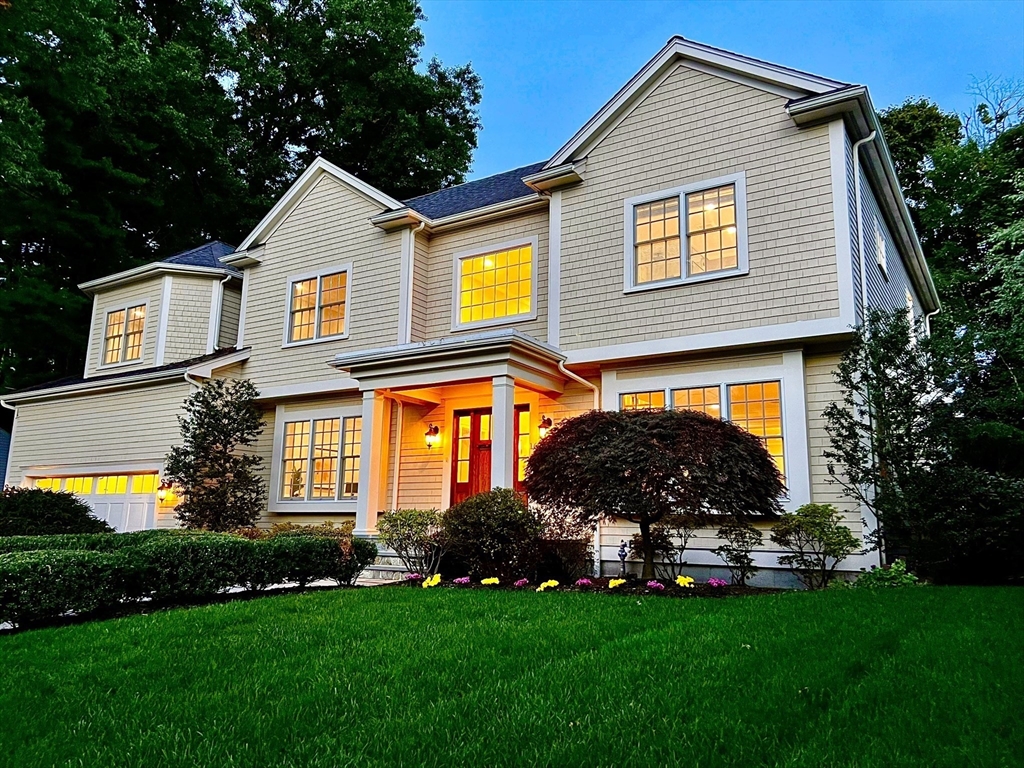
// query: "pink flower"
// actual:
[[713, 582], [522, 582], [584, 582], [461, 580], [655, 585], [412, 577]]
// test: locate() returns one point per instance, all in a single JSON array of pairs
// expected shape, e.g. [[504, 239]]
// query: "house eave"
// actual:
[[406, 217], [151, 270], [557, 177]]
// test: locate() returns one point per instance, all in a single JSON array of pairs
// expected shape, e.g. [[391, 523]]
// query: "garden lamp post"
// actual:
[[622, 558]]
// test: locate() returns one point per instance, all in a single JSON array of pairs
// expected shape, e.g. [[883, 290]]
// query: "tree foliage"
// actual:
[[644, 466], [739, 539], [817, 541], [215, 468], [130, 129]]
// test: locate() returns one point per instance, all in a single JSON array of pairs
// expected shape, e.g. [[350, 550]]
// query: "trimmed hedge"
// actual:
[[38, 511], [43, 577]]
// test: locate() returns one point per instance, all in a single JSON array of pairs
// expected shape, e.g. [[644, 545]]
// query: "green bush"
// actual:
[[895, 575], [565, 560], [363, 555], [35, 512], [184, 568], [817, 540], [494, 534], [741, 538], [416, 536], [94, 542], [43, 585]]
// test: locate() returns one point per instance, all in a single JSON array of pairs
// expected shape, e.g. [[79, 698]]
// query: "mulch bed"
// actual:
[[632, 586]]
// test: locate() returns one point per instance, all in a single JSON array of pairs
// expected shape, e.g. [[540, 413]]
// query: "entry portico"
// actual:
[[487, 386]]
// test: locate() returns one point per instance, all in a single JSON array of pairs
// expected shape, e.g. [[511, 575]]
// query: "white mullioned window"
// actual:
[[496, 285], [686, 234], [320, 459], [123, 334], [318, 306]]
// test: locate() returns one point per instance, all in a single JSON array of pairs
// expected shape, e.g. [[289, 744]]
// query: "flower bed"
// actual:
[[683, 586]]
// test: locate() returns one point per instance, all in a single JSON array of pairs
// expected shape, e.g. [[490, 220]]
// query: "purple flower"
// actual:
[[584, 582], [461, 580], [522, 582], [713, 582], [413, 577], [655, 585]]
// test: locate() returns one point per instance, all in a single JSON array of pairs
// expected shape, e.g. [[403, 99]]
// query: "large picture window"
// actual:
[[320, 459], [123, 334], [317, 307], [494, 287], [687, 234]]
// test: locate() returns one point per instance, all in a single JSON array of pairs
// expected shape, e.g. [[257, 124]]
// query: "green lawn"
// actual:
[[410, 677]]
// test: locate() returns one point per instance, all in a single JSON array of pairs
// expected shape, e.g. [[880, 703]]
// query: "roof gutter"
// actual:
[[150, 270], [407, 217]]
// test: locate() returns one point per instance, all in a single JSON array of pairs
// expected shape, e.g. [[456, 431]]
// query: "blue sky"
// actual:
[[548, 66]]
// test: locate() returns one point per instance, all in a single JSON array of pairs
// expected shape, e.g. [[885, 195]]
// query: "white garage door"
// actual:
[[125, 502]]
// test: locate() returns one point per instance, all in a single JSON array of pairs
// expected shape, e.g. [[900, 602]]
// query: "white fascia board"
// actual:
[[205, 370], [298, 190], [340, 385], [150, 270], [479, 215], [680, 49], [94, 386]]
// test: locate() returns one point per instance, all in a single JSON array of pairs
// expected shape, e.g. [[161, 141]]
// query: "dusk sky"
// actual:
[[548, 66]]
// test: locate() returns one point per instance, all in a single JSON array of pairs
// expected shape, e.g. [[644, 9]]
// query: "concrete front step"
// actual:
[[385, 571]]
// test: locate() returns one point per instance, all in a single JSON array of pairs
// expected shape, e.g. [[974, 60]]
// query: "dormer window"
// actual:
[[686, 234], [318, 306], [122, 338]]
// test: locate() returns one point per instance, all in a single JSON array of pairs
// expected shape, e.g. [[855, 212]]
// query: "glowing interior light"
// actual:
[[731, 230], [710, 206]]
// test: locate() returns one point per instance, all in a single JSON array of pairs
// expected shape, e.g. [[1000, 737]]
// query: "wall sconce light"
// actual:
[[545, 425], [164, 491], [433, 435]]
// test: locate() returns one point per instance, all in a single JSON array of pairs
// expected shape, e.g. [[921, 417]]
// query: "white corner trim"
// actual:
[[89, 344], [841, 210], [480, 251], [278, 504], [302, 185], [216, 300], [405, 287], [555, 268], [739, 181], [240, 340], [317, 338], [794, 407], [165, 313]]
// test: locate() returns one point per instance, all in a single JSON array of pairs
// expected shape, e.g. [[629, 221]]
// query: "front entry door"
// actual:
[[471, 454], [471, 451]]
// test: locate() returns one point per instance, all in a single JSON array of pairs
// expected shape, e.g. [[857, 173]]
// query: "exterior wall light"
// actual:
[[433, 435], [164, 491], [545, 425]]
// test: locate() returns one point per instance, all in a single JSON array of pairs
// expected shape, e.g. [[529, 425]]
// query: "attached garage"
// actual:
[[125, 502]]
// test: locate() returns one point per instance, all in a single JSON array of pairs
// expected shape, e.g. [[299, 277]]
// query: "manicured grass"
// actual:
[[411, 677]]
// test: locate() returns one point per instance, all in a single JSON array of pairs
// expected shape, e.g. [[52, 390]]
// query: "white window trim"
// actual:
[[480, 251], [790, 375], [103, 335], [881, 248], [739, 180], [283, 414], [317, 339]]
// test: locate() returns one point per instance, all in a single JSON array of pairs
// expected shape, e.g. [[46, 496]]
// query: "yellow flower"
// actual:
[[547, 584], [615, 582], [492, 580], [684, 581], [433, 581]]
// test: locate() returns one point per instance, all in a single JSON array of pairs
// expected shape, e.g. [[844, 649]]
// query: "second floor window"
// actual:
[[494, 286], [317, 308], [122, 338]]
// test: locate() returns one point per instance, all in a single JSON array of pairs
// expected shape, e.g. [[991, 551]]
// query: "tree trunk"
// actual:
[[645, 535]]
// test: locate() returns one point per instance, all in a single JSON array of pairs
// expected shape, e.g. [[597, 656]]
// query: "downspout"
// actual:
[[863, 279], [597, 406], [220, 313]]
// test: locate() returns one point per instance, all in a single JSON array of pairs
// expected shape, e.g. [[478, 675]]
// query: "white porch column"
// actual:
[[503, 431], [372, 462]]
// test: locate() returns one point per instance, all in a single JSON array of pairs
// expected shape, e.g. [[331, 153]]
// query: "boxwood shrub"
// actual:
[[35, 511]]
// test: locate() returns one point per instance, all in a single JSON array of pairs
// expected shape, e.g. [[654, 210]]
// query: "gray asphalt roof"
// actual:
[[475, 194], [206, 255]]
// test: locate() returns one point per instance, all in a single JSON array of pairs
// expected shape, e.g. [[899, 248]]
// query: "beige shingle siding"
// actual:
[[117, 298], [420, 293], [188, 319], [421, 471], [139, 424], [329, 227], [227, 334], [887, 291], [696, 126], [441, 259]]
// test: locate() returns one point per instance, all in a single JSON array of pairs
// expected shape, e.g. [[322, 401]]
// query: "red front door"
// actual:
[[471, 454], [471, 451]]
